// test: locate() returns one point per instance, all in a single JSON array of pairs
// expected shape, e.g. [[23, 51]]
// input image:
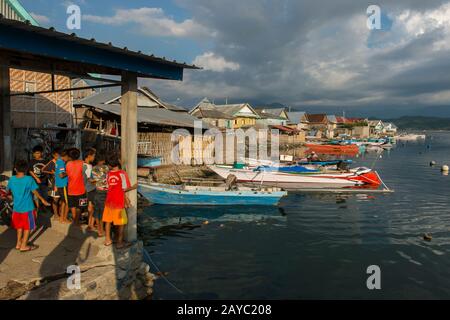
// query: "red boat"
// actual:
[[333, 149]]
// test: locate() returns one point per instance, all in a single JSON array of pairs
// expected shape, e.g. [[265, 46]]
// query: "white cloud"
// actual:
[[40, 18], [153, 22], [213, 62]]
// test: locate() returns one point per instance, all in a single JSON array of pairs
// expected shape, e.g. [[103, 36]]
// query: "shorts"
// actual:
[[118, 217], [91, 196], [25, 221], [99, 204], [62, 193], [80, 201]]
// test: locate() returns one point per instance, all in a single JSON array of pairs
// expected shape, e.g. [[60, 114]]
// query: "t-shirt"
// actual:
[[36, 167], [118, 181], [87, 174], [100, 173], [58, 166], [21, 189], [74, 170]]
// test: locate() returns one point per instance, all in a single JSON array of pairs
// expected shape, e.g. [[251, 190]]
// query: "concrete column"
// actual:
[[129, 145], [6, 157]]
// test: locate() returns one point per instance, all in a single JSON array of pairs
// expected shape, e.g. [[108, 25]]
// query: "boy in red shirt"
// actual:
[[76, 189], [115, 204]]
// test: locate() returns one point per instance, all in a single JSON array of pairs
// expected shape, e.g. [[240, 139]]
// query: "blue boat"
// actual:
[[209, 196], [147, 161], [325, 163]]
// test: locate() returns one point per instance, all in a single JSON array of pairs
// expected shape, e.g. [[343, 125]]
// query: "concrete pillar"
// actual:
[[129, 145], [6, 158]]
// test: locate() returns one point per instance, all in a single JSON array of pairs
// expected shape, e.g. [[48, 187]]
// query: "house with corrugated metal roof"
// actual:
[[101, 112], [271, 117], [226, 116], [208, 112]]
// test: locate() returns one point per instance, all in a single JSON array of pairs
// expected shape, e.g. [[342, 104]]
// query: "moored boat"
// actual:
[[210, 196], [297, 181]]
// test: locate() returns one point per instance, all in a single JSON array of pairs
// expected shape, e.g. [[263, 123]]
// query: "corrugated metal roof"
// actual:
[[296, 116], [25, 38], [146, 114], [233, 109], [155, 116]]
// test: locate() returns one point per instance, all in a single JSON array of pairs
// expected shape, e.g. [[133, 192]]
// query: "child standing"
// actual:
[[115, 213], [89, 158], [57, 167], [75, 187], [99, 175], [35, 170], [23, 188]]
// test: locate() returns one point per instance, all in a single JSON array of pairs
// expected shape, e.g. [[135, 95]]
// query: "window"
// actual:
[[30, 86]]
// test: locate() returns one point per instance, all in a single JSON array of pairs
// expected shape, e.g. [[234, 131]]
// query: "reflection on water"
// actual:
[[317, 245]]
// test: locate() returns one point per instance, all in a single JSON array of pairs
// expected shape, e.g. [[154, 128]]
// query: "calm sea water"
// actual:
[[316, 246]]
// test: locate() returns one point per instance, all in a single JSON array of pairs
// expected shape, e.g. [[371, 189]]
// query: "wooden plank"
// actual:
[[129, 145]]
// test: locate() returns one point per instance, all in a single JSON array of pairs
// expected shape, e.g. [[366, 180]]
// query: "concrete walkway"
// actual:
[[42, 274]]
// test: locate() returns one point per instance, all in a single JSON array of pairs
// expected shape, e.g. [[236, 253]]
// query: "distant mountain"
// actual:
[[420, 123]]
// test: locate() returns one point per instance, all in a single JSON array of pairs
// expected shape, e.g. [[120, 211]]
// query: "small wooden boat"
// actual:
[[330, 148], [210, 196]]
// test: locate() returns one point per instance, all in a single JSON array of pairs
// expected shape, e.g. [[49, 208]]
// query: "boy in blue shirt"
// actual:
[[57, 168], [23, 188]]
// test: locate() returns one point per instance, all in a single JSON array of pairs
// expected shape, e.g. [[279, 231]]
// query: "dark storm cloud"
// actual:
[[319, 52]]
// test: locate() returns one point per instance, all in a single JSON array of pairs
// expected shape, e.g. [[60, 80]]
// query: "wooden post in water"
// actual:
[[6, 165], [129, 145]]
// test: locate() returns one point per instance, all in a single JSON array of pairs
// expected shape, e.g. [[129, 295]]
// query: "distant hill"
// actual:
[[420, 123]]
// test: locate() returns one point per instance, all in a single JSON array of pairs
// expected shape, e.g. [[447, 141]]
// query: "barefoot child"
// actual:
[[76, 189], [89, 158], [56, 167], [99, 174], [35, 170], [115, 213], [23, 188]]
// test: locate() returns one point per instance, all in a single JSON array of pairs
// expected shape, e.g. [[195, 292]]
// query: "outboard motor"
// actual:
[[343, 166]]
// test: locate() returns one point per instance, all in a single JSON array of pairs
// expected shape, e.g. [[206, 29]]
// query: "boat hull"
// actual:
[[177, 196], [291, 181]]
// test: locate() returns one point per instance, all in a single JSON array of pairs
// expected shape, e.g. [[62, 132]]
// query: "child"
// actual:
[[118, 185], [75, 186], [89, 158], [99, 174], [35, 170], [23, 188], [56, 167]]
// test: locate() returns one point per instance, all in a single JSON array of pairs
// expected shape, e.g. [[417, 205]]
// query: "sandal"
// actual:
[[108, 244], [30, 248]]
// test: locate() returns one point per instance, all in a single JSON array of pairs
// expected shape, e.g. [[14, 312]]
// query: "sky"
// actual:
[[313, 55]]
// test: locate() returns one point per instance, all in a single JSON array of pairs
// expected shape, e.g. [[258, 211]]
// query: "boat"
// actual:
[[148, 161], [328, 148], [296, 181], [210, 196], [410, 137]]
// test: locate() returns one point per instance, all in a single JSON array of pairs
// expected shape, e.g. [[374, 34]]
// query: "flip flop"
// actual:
[[31, 248], [108, 245]]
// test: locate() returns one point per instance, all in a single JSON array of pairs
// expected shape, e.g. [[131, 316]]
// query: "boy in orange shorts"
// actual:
[[115, 203]]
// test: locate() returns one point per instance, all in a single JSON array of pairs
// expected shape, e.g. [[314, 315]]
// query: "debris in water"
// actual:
[[427, 237]]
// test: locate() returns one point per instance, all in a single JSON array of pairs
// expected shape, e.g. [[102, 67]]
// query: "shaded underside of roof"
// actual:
[[26, 45]]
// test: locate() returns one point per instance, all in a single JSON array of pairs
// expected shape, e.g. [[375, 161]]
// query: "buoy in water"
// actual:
[[427, 237], [432, 163], [445, 168]]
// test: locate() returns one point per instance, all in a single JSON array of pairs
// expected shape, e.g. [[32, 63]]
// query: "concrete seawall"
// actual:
[[105, 273]]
